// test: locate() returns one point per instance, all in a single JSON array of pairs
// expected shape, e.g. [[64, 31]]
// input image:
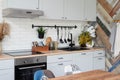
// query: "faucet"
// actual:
[[71, 41]]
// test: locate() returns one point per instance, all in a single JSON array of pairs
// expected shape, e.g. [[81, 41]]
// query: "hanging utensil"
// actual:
[[68, 35], [57, 34], [65, 37], [61, 41]]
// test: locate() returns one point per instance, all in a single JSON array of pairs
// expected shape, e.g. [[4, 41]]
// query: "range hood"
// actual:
[[21, 13]]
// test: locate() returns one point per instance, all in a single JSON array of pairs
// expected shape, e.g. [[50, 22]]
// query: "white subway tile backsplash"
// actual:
[[22, 34]]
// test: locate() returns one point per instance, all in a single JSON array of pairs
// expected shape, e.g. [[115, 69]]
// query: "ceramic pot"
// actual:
[[83, 45], [40, 35]]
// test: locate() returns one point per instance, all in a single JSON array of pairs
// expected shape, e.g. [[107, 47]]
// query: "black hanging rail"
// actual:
[[55, 26]]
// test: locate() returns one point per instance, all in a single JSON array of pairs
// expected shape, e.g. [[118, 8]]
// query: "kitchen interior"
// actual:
[[59, 39]]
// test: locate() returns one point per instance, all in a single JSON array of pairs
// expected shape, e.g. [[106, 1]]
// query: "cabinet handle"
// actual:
[[37, 8], [60, 58], [99, 53], [83, 53], [62, 17], [60, 64], [65, 17], [99, 58]]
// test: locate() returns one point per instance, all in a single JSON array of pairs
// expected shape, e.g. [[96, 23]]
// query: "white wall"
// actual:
[[0, 10], [22, 34]]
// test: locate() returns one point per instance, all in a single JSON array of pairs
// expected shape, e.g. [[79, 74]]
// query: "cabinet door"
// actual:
[[23, 4], [6, 64], [53, 9], [90, 10], [84, 61], [59, 58], [99, 63], [74, 9], [58, 68], [7, 74]]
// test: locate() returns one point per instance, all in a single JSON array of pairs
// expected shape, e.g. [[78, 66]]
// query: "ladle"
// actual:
[[65, 37], [61, 41], [68, 35]]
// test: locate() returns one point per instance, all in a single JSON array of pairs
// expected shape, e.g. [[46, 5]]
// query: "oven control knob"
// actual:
[[37, 60], [25, 62]]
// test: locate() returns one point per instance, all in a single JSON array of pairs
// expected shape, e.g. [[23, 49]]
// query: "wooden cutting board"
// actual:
[[48, 41]]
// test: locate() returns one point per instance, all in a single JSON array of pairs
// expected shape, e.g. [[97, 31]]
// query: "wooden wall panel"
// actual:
[[105, 5], [115, 9], [104, 37]]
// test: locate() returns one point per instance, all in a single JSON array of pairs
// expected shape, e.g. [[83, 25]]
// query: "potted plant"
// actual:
[[84, 38], [41, 32]]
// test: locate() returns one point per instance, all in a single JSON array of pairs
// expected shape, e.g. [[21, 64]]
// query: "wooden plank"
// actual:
[[104, 37], [116, 70], [108, 64], [113, 2], [115, 9], [105, 5], [107, 32], [104, 14], [116, 59], [117, 21]]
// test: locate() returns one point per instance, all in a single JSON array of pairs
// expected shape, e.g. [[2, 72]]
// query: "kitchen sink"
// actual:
[[73, 48]]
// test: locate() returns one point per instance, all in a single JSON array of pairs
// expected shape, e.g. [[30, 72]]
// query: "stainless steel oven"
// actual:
[[26, 67]]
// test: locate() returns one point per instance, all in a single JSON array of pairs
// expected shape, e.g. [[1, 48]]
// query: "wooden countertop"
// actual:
[[90, 75], [57, 52], [4, 56], [49, 53]]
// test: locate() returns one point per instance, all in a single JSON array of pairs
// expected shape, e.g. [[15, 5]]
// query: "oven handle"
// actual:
[[40, 66]]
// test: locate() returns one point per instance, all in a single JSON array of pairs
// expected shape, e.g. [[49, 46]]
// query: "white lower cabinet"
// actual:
[[86, 61], [56, 63], [58, 67], [99, 60], [7, 74], [83, 60], [99, 63], [7, 69]]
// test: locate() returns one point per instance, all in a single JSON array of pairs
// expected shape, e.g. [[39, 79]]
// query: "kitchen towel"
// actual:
[[68, 69]]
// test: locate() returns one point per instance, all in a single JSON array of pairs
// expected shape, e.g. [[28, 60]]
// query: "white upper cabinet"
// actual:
[[53, 9], [74, 9], [22, 4], [90, 10], [84, 10], [63, 9]]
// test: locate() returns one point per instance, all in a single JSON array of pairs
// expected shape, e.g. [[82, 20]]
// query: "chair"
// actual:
[[49, 74], [38, 74]]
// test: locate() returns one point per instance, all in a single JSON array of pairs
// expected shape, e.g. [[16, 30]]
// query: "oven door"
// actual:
[[26, 72]]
